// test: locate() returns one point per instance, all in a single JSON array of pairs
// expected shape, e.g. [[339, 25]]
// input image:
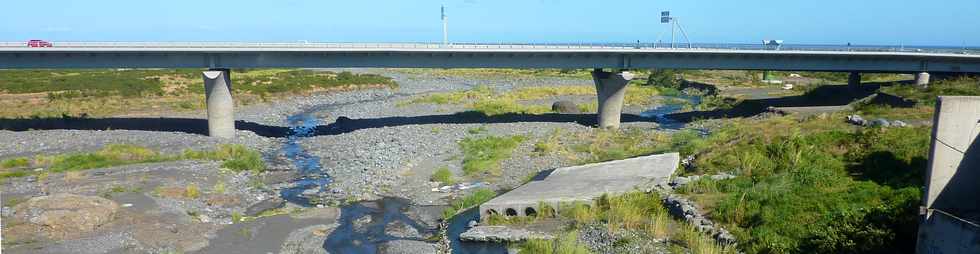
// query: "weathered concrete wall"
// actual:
[[954, 171], [952, 197]]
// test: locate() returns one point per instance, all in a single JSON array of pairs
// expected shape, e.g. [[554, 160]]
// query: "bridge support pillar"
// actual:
[[611, 89], [854, 80], [221, 114], [922, 79]]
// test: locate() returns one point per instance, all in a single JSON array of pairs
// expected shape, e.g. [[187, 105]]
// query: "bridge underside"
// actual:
[[908, 63], [610, 86]]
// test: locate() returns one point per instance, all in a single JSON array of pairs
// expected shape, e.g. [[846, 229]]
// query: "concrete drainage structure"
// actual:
[[583, 184]]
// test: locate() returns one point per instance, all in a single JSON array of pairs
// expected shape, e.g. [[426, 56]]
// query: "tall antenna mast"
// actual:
[[445, 27]]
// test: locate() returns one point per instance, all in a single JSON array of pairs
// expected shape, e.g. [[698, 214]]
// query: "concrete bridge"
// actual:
[[220, 57]]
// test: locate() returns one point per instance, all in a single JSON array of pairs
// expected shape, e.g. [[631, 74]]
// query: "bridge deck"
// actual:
[[421, 55]]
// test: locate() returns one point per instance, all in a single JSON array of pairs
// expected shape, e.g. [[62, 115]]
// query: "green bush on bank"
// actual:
[[818, 188]]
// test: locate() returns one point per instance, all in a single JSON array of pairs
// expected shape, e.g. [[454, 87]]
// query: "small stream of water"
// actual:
[[348, 237], [671, 105], [303, 125]]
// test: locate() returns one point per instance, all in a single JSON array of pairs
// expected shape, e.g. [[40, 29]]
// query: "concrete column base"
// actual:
[[854, 80], [611, 89], [221, 112], [922, 79]]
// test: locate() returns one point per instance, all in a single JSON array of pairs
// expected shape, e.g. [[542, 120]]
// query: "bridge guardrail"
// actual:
[[465, 45]]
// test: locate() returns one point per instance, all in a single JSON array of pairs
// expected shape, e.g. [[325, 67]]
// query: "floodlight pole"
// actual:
[[445, 27]]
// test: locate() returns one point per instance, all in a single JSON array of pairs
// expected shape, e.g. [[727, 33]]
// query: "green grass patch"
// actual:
[[443, 175], [964, 86], [473, 199], [105, 92], [15, 163], [109, 156], [234, 157], [482, 155]]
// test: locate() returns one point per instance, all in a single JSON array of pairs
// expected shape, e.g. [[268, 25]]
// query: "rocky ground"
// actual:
[[379, 148]]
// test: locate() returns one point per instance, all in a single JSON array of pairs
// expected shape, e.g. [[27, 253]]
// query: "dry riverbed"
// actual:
[[372, 144]]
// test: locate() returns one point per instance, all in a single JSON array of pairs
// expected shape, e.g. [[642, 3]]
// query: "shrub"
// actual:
[[192, 192], [443, 175], [819, 188]]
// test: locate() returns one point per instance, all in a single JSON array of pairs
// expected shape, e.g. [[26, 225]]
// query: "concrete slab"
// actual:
[[584, 183]]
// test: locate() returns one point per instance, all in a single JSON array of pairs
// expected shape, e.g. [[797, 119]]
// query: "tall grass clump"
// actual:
[[235, 157], [443, 175], [482, 155], [566, 243]]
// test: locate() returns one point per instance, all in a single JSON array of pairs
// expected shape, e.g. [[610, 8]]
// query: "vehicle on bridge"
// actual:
[[39, 44]]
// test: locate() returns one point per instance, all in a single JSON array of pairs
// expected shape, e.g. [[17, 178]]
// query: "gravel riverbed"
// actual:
[[370, 142]]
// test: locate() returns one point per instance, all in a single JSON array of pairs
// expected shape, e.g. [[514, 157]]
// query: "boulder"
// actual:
[[268, 204], [881, 122], [401, 230], [500, 234], [63, 213], [856, 120], [565, 107], [899, 123]]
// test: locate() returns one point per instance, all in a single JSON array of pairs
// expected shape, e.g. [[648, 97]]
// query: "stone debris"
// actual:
[[682, 208], [880, 122], [500, 234], [459, 187], [683, 180], [856, 120]]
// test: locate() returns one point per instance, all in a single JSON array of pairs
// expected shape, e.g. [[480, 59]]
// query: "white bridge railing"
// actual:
[[432, 45]]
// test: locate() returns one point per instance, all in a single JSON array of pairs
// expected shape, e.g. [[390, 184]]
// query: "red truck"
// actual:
[[39, 44]]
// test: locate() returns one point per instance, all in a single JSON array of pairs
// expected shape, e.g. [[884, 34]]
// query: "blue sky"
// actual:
[[892, 22]]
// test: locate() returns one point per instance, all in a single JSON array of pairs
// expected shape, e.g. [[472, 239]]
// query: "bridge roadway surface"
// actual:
[[430, 55]]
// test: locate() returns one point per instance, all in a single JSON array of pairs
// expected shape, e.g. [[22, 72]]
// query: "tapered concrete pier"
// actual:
[[221, 112], [922, 79], [611, 89]]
